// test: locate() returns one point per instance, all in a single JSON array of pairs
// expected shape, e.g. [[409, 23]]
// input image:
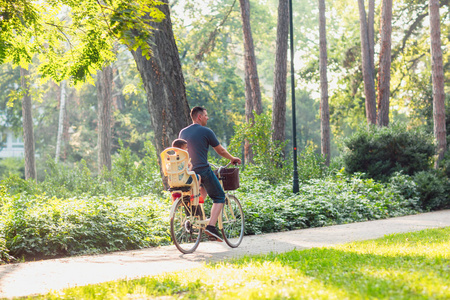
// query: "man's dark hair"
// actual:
[[195, 111], [178, 143]]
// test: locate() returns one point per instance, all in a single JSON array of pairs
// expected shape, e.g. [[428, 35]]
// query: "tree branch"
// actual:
[[208, 46]]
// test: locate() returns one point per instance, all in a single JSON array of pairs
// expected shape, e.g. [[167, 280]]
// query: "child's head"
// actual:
[[180, 143]]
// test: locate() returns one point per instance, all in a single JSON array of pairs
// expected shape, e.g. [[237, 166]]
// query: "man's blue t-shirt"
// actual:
[[199, 138]]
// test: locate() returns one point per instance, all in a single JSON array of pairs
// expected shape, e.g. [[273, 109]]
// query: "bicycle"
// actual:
[[187, 214]]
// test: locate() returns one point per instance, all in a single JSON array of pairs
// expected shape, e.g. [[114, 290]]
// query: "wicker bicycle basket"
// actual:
[[230, 178]]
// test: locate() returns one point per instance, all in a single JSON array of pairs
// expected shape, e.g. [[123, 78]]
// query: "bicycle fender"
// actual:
[[172, 208]]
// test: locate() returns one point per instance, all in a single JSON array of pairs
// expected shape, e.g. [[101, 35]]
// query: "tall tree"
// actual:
[[251, 71], [28, 133], [163, 81], [324, 110], [438, 80], [104, 100], [62, 114], [371, 34], [384, 74], [252, 87], [369, 86], [280, 73]]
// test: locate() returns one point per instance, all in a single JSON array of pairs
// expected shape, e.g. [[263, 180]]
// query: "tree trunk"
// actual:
[[324, 110], [65, 136], [250, 58], [249, 118], [164, 84], [369, 86], [438, 81], [384, 77], [371, 34], [28, 135], [253, 91], [118, 100], [62, 109], [280, 74], [104, 99]]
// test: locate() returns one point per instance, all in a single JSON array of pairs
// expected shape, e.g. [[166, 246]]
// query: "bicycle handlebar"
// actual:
[[218, 167]]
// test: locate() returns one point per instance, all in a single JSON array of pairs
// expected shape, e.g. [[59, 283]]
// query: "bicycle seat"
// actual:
[[175, 166]]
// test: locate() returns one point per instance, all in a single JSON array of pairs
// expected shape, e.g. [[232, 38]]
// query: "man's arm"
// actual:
[[224, 153]]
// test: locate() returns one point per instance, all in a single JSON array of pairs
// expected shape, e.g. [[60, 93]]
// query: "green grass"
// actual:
[[401, 266]]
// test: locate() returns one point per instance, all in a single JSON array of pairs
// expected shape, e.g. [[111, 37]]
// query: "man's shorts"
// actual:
[[189, 181], [212, 185]]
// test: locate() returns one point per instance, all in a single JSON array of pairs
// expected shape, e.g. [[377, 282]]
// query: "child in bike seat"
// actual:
[[182, 144]]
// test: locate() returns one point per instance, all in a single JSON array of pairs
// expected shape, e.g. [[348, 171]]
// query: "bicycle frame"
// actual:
[[179, 194]]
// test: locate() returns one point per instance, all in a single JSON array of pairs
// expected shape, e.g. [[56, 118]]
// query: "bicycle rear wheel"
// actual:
[[233, 222], [185, 231]]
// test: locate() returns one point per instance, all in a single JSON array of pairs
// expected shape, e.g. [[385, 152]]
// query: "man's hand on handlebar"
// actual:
[[236, 161]]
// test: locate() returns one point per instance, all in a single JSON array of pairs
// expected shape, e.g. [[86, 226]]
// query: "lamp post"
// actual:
[[294, 130]]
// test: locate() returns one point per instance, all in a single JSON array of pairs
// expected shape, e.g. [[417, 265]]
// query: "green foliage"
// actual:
[[4, 252], [134, 177], [434, 189], [63, 181], [15, 17], [311, 165], [307, 121], [11, 166], [49, 226], [16, 185], [379, 152], [268, 158], [444, 164], [322, 202], [129, 177], [407, 187], [73, 38]]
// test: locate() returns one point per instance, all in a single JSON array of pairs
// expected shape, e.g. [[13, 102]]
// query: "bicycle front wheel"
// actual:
[[233, 222], [184, 228]]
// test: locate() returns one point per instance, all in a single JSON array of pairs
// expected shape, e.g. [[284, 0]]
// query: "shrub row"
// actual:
[[42, 226], [323, 202]]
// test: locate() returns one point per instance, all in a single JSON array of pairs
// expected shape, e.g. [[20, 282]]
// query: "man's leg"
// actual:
[[215, 212], [211, 229], [215, 191]]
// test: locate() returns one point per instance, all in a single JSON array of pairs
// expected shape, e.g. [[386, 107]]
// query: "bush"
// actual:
[[407, 187], [130, 176], [12, 166], [42, 226], [323, 202], [380, 152], [444, 164], [310, 164], [434, 190], [268, 157]]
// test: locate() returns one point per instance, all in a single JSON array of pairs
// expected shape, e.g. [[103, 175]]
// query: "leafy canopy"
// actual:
[[73, 38]]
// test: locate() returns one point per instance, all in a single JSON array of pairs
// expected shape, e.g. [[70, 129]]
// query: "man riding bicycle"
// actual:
[[199, 138]]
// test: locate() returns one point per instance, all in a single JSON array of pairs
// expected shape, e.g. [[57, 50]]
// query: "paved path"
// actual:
[[42, 276]]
